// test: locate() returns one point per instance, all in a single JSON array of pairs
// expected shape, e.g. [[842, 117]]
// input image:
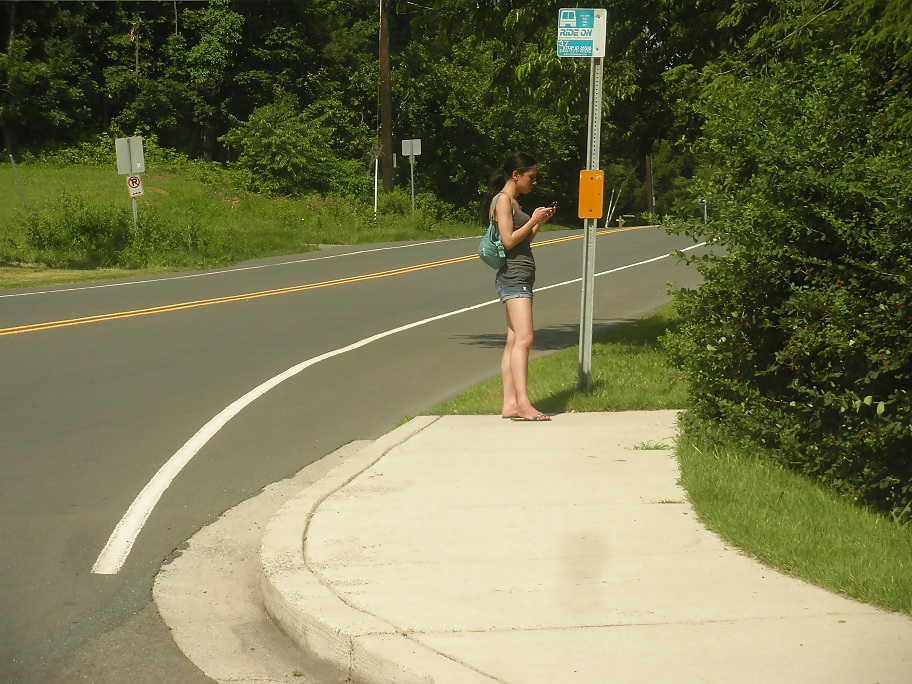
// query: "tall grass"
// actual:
[[191, 215]]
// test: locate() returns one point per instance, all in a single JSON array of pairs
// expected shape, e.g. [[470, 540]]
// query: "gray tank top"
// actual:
[[519, 268]]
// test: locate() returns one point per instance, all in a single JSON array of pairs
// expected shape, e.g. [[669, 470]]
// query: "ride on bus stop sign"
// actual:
[[581, 32]]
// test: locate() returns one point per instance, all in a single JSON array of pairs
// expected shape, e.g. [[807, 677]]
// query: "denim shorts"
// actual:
[[506, 292]]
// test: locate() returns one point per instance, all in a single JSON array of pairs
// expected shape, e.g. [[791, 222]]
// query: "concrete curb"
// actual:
[[368, 648]]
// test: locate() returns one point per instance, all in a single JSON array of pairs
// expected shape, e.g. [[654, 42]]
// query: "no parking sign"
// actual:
[[134, 185], [130, 163]]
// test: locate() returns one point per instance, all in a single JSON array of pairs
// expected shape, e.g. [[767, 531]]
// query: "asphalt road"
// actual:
[[104, 385]]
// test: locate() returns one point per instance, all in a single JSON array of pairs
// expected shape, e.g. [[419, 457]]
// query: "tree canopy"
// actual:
[[472, 80], [800, 338]]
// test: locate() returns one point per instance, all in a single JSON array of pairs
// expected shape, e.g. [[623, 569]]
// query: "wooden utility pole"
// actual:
[[386, 101]]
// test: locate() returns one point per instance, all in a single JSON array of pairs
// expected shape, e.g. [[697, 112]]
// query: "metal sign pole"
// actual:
[[131, 162], [19, 183], [412, 162], [581, 32], [588, 294], [411, 149]]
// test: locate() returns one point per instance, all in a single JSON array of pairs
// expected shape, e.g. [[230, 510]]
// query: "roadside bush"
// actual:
[[286, 150], [100, 150], [436, 210], [430, 211], [157, 244], [79, 234], [399, 201], [800, 338]]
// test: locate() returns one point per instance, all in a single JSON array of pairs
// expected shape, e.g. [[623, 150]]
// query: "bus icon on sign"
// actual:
[[577, 18], [581, 32]]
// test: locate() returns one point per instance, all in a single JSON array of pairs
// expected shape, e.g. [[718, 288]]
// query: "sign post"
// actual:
[[581, 33], [411, 149], [19, 183], [130, 163]]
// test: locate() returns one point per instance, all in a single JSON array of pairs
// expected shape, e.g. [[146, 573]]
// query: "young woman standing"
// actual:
[[514, 280]]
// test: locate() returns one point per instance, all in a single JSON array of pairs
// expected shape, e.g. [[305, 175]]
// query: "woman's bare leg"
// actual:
[[509, 408], [514, 365]]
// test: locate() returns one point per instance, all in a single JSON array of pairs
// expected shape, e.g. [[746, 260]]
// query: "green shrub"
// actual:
[[801, 336], [399, 201], [155, 243], [100, 150], [286, 150], [76, 233], [430, 211], [435, 210]]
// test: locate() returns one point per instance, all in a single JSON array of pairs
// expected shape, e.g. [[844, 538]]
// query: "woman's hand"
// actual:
[[542, 214]]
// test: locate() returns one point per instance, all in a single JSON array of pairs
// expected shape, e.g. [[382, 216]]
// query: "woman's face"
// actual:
[[526, 181]]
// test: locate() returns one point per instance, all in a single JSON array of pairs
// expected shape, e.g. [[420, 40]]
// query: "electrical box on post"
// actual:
[[591, 195]]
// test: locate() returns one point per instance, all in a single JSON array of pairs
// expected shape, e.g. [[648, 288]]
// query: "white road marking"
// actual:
[[237, 269], [121, 541]]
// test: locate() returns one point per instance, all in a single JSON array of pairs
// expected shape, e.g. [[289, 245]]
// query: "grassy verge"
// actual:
[[796, 525], [79, 222], [629, 372], [779, 517], [38, 275]]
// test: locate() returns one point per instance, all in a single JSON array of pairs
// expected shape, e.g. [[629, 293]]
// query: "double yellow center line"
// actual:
[[180, 306]]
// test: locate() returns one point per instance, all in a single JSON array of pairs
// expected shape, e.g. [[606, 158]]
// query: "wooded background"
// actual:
[[290, 88]]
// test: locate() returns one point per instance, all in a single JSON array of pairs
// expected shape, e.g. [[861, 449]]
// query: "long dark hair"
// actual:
[[515, 161]]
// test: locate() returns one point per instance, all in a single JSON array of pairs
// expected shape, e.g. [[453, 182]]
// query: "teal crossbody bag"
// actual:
[[491, 249]]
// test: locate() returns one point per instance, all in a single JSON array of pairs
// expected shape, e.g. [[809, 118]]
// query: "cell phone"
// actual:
[[553, 205]]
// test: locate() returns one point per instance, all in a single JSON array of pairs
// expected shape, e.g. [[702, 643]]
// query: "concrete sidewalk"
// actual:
[[474, 549]]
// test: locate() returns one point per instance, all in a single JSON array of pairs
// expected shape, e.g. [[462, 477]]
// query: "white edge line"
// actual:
[[205, 274], [622, 268], [120, 543], [115, 552]]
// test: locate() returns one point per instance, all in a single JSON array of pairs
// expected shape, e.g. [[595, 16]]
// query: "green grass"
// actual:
[[796, 525], [37, 275], [629, 373], [780, 517], [652, 446], [191, 216], [79, 223]]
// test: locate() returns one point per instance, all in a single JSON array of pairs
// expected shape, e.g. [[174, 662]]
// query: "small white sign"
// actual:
[[134, 185], [581, 32], [411, 148]]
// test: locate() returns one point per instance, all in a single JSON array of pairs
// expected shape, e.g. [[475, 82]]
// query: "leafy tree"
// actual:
[[471, 79], [215, 32], [287, 150], [467, 124], [45, 75], [145, 87], [801, 336]]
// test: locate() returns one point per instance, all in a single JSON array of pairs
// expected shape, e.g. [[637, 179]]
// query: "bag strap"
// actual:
[[494, 206]]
